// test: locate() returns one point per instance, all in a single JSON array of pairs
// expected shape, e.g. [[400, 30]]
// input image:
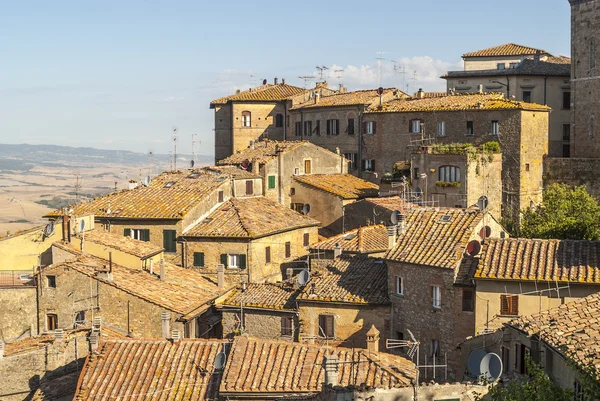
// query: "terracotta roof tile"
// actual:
[[141, 249], [345, 186], [139, 370], [278, 367], [508, 49], [235, 172], [431, 241], [268, 93], [281, 296], [391, 203], [249, 218], [458, 102], [361, 97], [262, 152], [355, 280], [540, 260], [553, 66], [368, 239]]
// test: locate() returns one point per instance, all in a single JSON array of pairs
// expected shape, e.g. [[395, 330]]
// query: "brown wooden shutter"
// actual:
[[249, 187], [410, 125], [504, 305], [288, 249], [306, 239], [374, 127], [364, 128], [514, 305]]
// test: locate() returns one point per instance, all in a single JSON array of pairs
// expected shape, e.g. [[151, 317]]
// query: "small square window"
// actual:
[[527, 96], [436, 296], [51, 281], [292, 191], [199, 259], [306, 239], [467, 300], [287, 326], [326, 326], [526, 166]]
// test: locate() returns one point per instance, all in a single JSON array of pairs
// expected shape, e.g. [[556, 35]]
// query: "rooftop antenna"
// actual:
[[252, 79], [400, 69], [150, 162], [338, 73], [175, 147], [77, 187], [307, 78], [414, 79], [170, 160], [379, 66], [321, 69], [193, 149]]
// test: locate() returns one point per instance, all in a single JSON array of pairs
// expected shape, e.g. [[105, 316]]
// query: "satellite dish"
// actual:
[[81, 225], [380, 91], [306, 208], [491, 367], [474, 362], [303, 277], [246, 164], [49, 229], [264, 81], [482, 203], [473, 248], [192, 163], [485, 232], [418, 193], [147, 181], [396, 216], [220, 360]]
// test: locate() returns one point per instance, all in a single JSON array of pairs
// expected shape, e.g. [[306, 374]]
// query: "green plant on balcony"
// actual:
[[447, 184]]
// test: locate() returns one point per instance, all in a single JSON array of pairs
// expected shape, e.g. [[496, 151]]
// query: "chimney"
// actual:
[[480, 88], [221, 276], [251, 145], [133, 184], [275, 81], [537, 57], [243, 286], [162, 269], [392, 236], [94, 342], [289, 273], [337, 251], [342, 89], [255, 166], [238, 91], [331, 370], [373, 339], [176, 335], [65, 232], [401, 224], [317, 97], [165, 324], [59, 335], [420, 94], [96, 323], [282, 81]]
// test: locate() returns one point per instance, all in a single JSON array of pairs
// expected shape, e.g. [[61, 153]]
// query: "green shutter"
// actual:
[[242, 261], [271, 181], [145, 235], [169, 240], [199, 259], [224, 259], [127, 232]]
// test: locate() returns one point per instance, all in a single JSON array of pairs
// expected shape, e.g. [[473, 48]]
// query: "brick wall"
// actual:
[[258, 323], [573, 172], [18, 309]]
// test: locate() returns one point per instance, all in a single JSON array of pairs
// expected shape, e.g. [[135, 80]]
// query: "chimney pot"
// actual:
[[176, 335], [251, 145], [331, 370], [97, 322], [317, 97], [480, 88], [165, 324], [276, 81], [93, 342], [392, 236], [221, 276], [243, 286], [289, 272], [420, 94], [282, 81], [59, 335], [337, 251], [373, 336]]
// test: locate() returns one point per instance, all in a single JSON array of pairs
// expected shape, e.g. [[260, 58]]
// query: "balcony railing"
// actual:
[[17, 278]]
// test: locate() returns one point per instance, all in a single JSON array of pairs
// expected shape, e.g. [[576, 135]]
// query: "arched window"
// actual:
[[592, 127], [449, 174], [246, 119]]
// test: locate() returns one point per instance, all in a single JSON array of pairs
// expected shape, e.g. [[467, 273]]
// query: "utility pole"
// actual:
[[175, 147]]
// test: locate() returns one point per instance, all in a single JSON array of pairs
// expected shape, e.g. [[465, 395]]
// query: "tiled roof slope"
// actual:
[[267, 93], [366, 97], [355, 280], [572, 329], [235, 172], [540, 260], [262, 152], [250, 218], [391, 203], [508, 49], [430, 241], [368, 239], [458, 102], [141, 249], [148, 370], [280, 296], [275, 367], [156, 201], [555, 66], [345, 186]]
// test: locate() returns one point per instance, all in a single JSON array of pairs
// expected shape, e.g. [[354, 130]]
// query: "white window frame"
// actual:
[[501, 66], [136, 233], [416, 126], [246, 119], [370, 125], [436, 296], [441, 128], [352, 158], [495, 127], [399, 285], [233, 261]]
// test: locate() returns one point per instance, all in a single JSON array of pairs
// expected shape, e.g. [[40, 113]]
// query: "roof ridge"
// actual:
[[237, 212]]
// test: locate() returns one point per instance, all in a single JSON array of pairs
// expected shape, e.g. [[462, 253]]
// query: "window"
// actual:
[[399, 286], [441, 128], [527, 96], [521, 352], [198, 259], [470, 129], [51, 321], [513, 65], [140, 234], [249, 187], [350, 126], [566, 151], [414, 126], [80, 317], [271, 183], [268, 254], [297, 207], [333, 127], [221, 196], [288, 249], [592, 53], [326, 326], [526, 166], [369, 165], [246, 119], [436, 296], [307, 167], [467, 300], [416, 175], [399, 335], [318, 127], [505, 355], [292, 191], [169, 243], [578, 390], [435, 348], [233, 261], [279, 120], [501, 66], [352, 157], [306, 239], [566, 103], [449, 174], [370, 127], [566, 132], [495, 128], [509, 305], [308, 128], [51, 281], [298, 126], [287, 326]]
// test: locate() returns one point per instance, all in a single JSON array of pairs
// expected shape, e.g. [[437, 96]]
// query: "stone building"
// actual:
[[430, 283], [343, 300], [279, 162], [324, 197], [520, 128], [368, 240], [369, 211], [523, 74], [18, 306], [250, 237]]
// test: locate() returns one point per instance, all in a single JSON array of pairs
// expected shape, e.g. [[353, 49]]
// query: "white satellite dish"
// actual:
[[418, 193], [81, 225], [303, 277], [395, 218], [49, 229], [491, 367], [474, 362], [482, 203], [306, 209], [220, 360], [147, 181]]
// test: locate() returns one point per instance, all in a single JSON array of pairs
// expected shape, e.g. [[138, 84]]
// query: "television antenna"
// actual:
[[338, 73], [306, 79], [400, 69], [193, 162], [175, 147], [321, 69], [77, 187], [414, 79]]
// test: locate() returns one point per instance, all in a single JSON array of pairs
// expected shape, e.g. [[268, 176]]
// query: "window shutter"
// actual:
[[504, 305], [328, 127], [271, 181], [242, 261], [224, 259], [145, 235], [306, 239], [410, 126], [373, 165], [364, 164], [127, 232], [374, 127], [288, 249], [329, 326], [337, 127], [199, 259], [395, 285], [364, 127], [514, 305], [268, 254]]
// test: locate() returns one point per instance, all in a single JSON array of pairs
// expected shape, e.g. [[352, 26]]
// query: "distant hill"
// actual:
[[23, 157]]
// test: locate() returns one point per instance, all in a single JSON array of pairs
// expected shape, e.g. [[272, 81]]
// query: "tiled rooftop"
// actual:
[[572, 329], [232, 171], [540, 260], [262, 152], [368, 239], [431, 241], [345, 186], [249, 218], [169, 196], [355, 280], [391, 203], [263, 366], [458, 102], [508, 49], [553, 66], [281, 296], [141, 249], [268, 93], [360, 97], [146, 370]]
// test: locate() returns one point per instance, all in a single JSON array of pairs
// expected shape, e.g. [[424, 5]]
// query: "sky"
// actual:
[[123, 74]]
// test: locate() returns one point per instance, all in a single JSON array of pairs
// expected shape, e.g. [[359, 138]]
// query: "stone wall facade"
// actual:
[[259, 323], [573, 172], [18, 309]]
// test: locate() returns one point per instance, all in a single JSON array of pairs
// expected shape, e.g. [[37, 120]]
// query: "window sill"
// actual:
[[436, 308], [468, 312], [508, 316]]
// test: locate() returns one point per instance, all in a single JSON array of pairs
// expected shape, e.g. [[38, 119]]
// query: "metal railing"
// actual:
[[17, 278]]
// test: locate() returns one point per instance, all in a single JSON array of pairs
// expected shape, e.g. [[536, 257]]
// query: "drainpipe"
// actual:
[[508, 88], [360, 140], [545, 90], [280, 175], [285, 120]]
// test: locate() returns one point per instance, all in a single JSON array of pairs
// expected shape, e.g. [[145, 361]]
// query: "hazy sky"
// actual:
[[122, 74]]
